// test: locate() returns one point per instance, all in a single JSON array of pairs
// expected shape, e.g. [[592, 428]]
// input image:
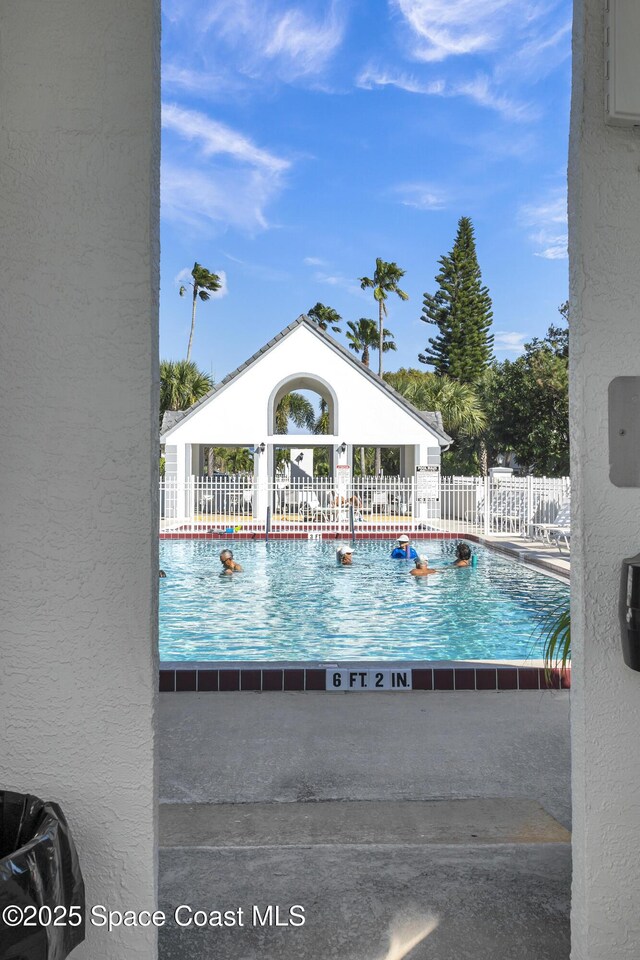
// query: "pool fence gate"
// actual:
[[318, 507]]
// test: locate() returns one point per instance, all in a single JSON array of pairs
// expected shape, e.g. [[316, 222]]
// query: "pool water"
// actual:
[[293, 602]]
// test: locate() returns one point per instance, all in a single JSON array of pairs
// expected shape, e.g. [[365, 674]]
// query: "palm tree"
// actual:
[[325, 317], [181, 385], [322, 424], [385, 280], [204, 284], [363, 337], [294, 406], [457, 402], [238, 460]]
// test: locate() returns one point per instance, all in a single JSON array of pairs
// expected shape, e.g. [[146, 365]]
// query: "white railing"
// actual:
[[480, 505]]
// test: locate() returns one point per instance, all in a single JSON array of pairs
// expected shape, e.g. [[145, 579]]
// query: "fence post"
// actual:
[[530, 506], [487, 506]]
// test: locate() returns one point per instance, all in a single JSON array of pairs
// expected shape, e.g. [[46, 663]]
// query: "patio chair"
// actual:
[[508, 510], [562, 522], [562, 535], [379, 502], [310, 507], [241, 501]]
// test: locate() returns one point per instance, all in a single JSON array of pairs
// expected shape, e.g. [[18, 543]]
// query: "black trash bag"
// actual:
[[38, 869]]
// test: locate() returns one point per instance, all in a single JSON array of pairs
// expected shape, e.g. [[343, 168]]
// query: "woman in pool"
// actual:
[[403, 549], [463, 556]]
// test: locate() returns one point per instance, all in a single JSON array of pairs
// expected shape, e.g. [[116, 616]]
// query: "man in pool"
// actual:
[[463, 556], [403, 549], [229, 564], [422, 568], [344, 556]]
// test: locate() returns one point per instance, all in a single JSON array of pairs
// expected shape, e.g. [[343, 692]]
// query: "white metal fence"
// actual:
[[518, 506]]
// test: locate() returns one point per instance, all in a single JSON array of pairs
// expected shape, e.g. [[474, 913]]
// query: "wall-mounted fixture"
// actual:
[[622, 77], [261, 448], [342, 448], [300, 457], [630, 612]]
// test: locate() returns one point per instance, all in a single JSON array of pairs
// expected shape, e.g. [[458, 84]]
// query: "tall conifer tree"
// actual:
[[461, 309]]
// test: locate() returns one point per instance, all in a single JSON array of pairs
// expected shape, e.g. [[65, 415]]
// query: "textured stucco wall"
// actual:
[[79, 159], [604, 230]]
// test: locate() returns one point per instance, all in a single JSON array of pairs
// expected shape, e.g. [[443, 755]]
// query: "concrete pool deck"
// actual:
[[447, 806], [544, 556]]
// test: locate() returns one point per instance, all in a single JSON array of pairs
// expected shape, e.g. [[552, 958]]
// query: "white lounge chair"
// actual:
[[562, 524], [562, 535]]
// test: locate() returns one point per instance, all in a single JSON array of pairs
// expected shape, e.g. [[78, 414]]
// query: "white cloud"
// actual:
[[344, 283], [227, 180], [289, 44], [203, 83], [480, 89], [547, 222], [445, 28], [184, 277], [370, 77], [222, 198], [509, 342], [314, 262], [217, 138], [302, 44], [540, 54], [512, 44], [553, 246], [483, 92], [422, 196]]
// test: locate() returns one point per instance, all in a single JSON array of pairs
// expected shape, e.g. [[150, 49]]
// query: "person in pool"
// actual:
[[229, 564], [344, 556], [463, 556], [422, 568], [403, 549]]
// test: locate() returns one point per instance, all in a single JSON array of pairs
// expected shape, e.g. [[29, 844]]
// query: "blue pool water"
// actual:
[[293, 602]]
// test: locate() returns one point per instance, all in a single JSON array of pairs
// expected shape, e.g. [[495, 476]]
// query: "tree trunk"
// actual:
[[380, 305], [193, 323], [484, 459], [378, 462]]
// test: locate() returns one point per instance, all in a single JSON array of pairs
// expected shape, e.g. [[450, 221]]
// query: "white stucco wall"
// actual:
[[604, 230], [238, 413], [79, 158]]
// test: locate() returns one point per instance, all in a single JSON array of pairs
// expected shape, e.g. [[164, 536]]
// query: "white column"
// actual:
[[184, 467], [430, 509], [79, 161], [604, 240], [263, 472]]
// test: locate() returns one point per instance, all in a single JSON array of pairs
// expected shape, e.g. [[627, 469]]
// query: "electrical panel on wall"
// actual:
[[622, 62], [624, 431]]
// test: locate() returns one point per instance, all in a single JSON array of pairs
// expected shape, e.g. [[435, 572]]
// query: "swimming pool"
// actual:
[[294, 603]]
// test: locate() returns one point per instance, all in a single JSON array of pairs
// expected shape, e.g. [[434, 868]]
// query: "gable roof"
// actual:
[[431, 419]]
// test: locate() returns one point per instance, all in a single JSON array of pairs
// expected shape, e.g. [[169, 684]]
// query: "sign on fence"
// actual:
[[427, 484], [343, 479]]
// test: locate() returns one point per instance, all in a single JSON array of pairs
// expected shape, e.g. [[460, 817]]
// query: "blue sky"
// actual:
[[303, 140]]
